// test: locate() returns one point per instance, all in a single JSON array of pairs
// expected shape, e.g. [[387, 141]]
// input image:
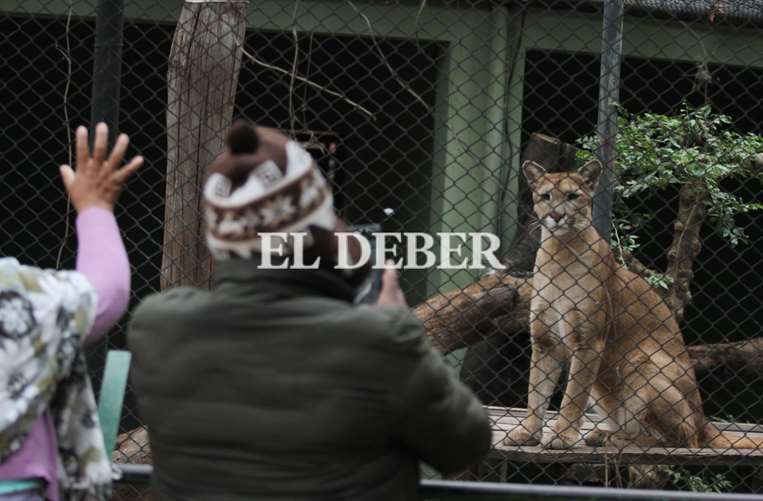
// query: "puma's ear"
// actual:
[[532, 171], [591, 172]]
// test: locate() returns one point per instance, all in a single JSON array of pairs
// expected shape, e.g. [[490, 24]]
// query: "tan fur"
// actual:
[[619, 339]]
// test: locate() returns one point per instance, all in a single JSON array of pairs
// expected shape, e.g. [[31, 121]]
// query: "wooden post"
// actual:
[[204, 65]]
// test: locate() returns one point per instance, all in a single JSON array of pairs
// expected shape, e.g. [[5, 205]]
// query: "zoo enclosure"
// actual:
[[426, 108]]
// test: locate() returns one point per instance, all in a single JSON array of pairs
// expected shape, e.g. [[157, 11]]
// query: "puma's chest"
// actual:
[[561, 298], [560, 287], [571, 279]]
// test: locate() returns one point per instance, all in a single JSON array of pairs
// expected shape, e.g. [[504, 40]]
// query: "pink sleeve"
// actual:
[[102, 258]]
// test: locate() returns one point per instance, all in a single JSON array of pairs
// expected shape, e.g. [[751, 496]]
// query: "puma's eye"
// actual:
[[545, 196], [573, 196]]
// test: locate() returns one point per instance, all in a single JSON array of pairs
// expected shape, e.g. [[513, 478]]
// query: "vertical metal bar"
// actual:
[[104, 107], [107, 65], [609, 95]]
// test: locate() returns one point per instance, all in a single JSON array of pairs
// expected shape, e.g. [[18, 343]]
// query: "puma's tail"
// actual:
[[715, 438]]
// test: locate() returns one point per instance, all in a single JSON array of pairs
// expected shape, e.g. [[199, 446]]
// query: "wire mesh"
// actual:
[[433, 110]]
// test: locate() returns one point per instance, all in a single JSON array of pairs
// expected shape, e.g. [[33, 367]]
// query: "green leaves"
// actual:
[[707, 482], [659, 280], [657, 151]]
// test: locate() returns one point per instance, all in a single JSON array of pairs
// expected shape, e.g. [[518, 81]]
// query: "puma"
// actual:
[[619, 339]]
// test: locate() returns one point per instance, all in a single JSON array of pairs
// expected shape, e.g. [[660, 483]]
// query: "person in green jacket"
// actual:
[[273, 385]]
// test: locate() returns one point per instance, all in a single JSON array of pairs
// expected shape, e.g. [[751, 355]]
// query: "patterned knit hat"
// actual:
[[255, 198]]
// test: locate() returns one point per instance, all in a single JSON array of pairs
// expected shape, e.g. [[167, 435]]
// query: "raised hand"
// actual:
[[391, 294], [97, 180]]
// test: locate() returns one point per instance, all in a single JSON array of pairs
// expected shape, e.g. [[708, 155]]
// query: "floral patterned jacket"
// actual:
[[44, 317]]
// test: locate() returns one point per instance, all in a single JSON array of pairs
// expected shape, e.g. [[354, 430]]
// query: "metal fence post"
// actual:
[[107, 65], [606, 128], [104, 107]]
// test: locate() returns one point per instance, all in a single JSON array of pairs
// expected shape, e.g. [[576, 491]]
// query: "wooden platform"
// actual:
[[507, 418]]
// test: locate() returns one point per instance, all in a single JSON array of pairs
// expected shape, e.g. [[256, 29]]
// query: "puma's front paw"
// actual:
[[520, 436], [597, 437], [564, 440]]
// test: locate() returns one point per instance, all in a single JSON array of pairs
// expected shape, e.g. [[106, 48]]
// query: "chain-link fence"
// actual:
[[463, 117]]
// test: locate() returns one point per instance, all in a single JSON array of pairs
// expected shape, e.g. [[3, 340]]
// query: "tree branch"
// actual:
[[497, 303], [686, 244], [743, 356]]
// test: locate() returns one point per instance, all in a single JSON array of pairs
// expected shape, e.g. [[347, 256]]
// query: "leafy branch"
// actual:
[[658, 151], [696, 151]]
